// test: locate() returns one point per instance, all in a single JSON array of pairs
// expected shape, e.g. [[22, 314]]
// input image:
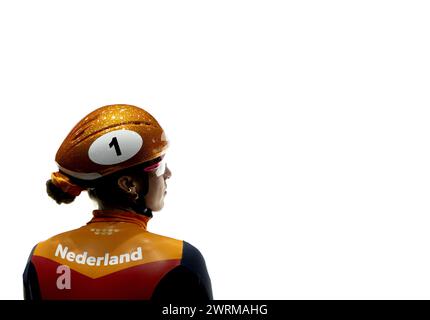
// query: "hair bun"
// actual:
[[64, 183]]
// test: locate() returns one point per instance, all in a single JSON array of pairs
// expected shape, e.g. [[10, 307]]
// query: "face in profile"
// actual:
[[157, 187], [157, 175]]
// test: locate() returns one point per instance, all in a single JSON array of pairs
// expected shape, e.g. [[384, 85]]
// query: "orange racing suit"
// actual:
[[115, 257]]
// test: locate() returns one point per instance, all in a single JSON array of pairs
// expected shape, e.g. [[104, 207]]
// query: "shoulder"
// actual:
[[30, 280], [161, 238], [192, 258], [51, 243], [162, 242], [190, 253]]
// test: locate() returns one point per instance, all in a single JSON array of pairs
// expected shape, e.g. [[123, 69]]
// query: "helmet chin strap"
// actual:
[[148, 212], [139, 205]]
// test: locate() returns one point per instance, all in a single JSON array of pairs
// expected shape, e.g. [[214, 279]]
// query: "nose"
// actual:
[[167, 173]]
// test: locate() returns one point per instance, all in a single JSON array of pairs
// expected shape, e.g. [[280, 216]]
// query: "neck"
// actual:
[[130, 208]]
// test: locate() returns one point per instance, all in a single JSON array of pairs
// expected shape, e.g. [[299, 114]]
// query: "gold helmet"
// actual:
[[107, 140]]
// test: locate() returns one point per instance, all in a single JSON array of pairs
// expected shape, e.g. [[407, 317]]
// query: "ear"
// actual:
[[125, 183]]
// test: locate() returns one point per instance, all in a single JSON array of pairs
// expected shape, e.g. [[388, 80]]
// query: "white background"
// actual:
[[299, 134]]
